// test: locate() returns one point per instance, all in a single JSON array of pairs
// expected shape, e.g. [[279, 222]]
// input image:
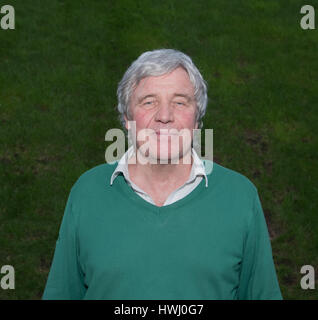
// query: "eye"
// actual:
[[149, 103], [179, 103]]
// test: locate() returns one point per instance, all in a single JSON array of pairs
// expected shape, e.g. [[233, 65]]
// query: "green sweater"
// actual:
[[212, 244]]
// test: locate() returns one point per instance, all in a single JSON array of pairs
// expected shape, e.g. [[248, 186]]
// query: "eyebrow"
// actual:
[[186, 96], [182, 95], [145, 97]]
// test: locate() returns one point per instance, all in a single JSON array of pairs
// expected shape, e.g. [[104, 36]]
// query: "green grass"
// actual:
[[59, 72]]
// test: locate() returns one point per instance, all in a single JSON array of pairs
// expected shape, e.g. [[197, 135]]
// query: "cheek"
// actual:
[[142, 119], [187, 119]]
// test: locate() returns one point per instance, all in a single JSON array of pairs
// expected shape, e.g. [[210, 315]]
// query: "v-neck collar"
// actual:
[[126, 190]]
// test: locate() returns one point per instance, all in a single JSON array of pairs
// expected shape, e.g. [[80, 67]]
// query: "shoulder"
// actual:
[[228, 179], [94, 179], [235, 192]]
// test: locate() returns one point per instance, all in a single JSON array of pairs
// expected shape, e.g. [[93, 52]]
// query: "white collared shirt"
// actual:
[[196, 175]]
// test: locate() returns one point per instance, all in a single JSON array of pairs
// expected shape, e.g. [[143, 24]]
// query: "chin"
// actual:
[[161, 151], [174, 156]]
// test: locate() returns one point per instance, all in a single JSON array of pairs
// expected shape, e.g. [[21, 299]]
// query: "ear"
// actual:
[[126, 121]]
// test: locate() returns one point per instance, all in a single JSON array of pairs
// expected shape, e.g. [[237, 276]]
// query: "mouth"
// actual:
[[166, 132]]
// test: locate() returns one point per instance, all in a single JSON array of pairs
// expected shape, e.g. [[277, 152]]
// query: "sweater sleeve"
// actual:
[[258, 280], [66, 280]]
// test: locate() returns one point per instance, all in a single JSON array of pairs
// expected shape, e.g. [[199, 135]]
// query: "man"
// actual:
[[156, 225]]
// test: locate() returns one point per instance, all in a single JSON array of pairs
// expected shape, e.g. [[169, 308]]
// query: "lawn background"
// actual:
[[59, 71]]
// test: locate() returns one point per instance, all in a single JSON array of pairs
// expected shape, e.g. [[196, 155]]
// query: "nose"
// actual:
[[164, 113]]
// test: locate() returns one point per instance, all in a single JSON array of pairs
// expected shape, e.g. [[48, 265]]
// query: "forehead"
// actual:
[[176, 81]]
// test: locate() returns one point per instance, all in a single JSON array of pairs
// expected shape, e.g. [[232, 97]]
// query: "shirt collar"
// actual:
[[198, 168]]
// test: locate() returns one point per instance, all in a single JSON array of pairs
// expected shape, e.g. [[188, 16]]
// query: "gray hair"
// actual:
[[157, 63]]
